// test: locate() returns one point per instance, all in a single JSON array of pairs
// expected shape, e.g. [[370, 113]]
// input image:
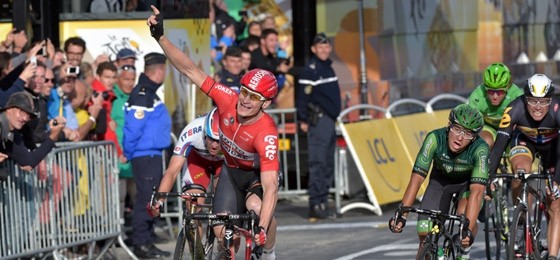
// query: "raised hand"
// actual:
[[155, 22]]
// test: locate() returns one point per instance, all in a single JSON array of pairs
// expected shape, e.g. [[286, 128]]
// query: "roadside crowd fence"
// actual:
[[70, 199]]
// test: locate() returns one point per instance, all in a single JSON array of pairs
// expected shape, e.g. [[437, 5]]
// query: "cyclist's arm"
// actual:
[[269, 182], [474, 203], [173, 169], [412, 189], [178, 58], [503, 136], [420, 169], [478, 180]]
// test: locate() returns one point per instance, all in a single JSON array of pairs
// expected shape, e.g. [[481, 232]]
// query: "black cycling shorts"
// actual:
[[233, 187]]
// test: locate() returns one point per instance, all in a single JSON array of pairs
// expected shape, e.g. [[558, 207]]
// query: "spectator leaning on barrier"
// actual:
[[18, 111], [318, 105], [147, 132]]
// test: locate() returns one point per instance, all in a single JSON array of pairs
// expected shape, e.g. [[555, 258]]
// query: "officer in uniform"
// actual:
[[318, 105], [230, 75], [146, 134]]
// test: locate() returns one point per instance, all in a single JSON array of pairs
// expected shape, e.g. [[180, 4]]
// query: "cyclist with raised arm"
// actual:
[[532, 122], [199, 147], [460, 165], [248, 137], [492, 97]]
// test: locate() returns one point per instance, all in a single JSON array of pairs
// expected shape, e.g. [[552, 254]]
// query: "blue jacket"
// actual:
[[147, 124], [318, 84]]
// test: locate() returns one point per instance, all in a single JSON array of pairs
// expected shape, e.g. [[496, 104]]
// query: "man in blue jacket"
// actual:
[[146, 134]]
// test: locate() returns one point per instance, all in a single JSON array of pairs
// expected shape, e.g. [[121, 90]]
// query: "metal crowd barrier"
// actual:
[[70, 199]]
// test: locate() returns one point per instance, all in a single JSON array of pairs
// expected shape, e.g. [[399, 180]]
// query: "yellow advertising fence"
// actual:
[[385, 149]]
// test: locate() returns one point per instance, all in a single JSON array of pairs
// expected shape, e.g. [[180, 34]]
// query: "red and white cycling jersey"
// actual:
[[191, 145], [243, 145]]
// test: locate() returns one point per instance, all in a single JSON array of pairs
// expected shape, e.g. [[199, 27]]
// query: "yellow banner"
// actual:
[[385, 150]]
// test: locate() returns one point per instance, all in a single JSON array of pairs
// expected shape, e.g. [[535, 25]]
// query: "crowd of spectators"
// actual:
[[50, 94]]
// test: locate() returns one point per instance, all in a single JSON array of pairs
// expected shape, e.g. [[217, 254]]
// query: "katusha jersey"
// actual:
[[245, 146], [192, 139]]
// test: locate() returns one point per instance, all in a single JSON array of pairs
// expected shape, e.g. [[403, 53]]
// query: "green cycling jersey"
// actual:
[[470, 164], [492, 114]]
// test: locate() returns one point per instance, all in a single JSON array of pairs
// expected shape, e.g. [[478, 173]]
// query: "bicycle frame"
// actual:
[[189, 227], [231, 229], [439, 230], [531, 231]]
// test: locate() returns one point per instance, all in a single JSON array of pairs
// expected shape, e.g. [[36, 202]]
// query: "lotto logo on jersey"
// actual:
[[272, 146]]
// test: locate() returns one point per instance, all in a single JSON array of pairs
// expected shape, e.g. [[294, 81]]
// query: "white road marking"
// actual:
[[399, 247], [374, 224]]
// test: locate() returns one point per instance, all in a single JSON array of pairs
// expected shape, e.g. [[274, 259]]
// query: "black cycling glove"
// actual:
[[157, 29]]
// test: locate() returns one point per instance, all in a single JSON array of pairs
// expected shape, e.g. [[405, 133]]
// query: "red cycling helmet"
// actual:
[[261, 81], [211, 125]]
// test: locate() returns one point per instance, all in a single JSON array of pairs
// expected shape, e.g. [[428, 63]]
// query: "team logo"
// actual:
[[271, 147], [308, 89], [139, 114]]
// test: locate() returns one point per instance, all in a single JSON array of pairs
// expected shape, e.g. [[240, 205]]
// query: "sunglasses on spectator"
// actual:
[[538, 101], [67, 80], [253, 96], [457, 130], [47, 80], [499, 92]]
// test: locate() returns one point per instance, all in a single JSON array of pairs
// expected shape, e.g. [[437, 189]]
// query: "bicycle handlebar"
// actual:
[[437, 214]]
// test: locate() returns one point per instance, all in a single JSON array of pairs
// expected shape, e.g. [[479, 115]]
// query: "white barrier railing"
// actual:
[[70, 199]]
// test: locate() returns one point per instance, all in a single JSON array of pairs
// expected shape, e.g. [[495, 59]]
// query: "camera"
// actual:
[[105, 94], [73, 70], [33, 60]]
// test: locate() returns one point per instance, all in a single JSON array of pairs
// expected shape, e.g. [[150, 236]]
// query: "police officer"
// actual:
[[318, 105], [230, 75], [146, 134]]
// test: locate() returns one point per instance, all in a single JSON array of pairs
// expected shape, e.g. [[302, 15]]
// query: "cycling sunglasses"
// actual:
[[253, 96], [499, 92]]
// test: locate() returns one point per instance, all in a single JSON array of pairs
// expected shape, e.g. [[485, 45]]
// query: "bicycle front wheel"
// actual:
[[428, 252], [180, 245], [224, 254], [518, 236], [496, 225]]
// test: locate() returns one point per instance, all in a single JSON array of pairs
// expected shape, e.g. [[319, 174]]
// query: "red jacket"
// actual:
[[110, 134]]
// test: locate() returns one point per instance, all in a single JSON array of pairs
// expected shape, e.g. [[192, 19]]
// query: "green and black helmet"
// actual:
[[497, 76], [468, 117]]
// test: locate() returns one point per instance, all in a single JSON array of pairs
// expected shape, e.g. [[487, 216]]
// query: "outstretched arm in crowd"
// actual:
[[178, 58]]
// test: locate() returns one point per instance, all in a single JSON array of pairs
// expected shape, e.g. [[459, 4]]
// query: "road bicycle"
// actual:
[[199, 249], [529, 220], [498, 211], [226, 250], [443, 226]]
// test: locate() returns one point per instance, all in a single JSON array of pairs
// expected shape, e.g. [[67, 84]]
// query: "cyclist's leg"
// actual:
[[195, 173], [430, 200], [227, 198], [254, 202], [521, 157], [488, 134]]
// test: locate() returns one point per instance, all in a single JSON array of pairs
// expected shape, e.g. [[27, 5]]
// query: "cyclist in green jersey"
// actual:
[[492, 97], [460, 165]]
